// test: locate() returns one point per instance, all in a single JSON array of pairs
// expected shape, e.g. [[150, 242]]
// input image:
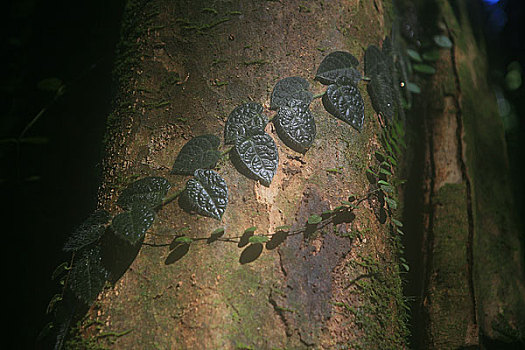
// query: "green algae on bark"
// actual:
[[448, 301], [207, 296]]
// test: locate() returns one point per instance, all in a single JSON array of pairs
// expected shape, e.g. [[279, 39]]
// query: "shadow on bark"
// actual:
[[118, 255]]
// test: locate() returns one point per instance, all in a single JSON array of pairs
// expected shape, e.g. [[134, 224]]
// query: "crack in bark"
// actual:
[[465, 176], [280, 312], [429, 239]]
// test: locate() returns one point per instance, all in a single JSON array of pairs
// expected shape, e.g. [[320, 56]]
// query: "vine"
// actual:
[[255, 155]]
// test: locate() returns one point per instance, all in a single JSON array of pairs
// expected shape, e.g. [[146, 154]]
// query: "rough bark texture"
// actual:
[[334, 287], [475, 289]]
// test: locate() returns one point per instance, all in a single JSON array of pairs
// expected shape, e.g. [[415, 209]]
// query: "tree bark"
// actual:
[[474, 288], [332, 285]]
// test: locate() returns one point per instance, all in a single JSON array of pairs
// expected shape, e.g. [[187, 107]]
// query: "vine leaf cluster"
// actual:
[[253, 153]]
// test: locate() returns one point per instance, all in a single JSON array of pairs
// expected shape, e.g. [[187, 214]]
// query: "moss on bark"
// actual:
[[190, 65]]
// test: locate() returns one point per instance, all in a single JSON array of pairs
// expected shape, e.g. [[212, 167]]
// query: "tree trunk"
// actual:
[[331, 285], [474, 289]]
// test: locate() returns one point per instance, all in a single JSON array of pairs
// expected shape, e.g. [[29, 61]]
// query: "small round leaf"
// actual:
[[258, 239], [314, 219], [414, 55], [443, 41], [431, 56], [424, 68], [183, 240], [414, 88]]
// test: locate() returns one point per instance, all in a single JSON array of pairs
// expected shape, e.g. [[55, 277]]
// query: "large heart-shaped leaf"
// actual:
[[338, 64], [149, 191], [380, 88], [88, 232], [207, 193], [257, 157], [295, 126], [243, 120], [198, 153], [88, 275], [343, 100], [132, 225], [289, 90]]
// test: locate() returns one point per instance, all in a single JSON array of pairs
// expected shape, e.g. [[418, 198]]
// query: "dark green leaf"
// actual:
[[88, 232], [443, 41], [387, 189], [295, 126], [414, 88], [218, 232], [314, 219], [431, 56], [335, 170], [387, 48], [289, 90], [397, 222], [132, 225], [391, 203], [207, 193], [424, 68], [149, 191], [53, 302], [344, 101], [184, 240], [414, 55], [258, 239], [513, 80], [59, 270], [243, 121], [380, 88], [251, 229], [50, 84], [88, 275], [198, 153], [392, 160], [257, 156], [385, 171], [338, 64]]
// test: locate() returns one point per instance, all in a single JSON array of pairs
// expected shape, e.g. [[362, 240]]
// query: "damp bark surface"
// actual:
[[185, 67], [473, 291]]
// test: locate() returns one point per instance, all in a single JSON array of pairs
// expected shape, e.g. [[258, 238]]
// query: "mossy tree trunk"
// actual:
[[474, 286], [332, 285]]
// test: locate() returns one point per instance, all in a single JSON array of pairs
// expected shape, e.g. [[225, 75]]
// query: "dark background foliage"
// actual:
[[48, 188]]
